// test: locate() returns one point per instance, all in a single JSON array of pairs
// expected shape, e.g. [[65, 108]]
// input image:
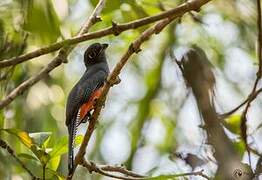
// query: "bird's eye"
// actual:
[[92, 55]]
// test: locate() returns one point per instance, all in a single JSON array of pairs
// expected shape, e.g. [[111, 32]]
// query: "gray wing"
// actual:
[[82, 92]]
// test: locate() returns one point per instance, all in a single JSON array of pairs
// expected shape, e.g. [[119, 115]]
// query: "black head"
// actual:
[[95, 53]]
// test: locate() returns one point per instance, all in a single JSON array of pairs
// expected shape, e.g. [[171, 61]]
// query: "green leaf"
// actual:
[[42, 21], [26, 156], [34, 143], [54, 174], [59, 148], [233, 124], [78, 140], [54, 163], [22, 136], [41, 139], [240, 147], [37, 169]]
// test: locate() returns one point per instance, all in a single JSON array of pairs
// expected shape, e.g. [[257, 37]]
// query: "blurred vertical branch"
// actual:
[[198, 74], [152, 90]]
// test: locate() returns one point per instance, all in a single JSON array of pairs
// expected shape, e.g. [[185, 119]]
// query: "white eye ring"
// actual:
[[92, 55]]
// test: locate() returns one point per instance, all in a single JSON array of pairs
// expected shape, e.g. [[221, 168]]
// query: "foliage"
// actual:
[[41, 152]]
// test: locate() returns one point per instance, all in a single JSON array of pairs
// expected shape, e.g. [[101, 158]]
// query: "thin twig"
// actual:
[[251, 97], [4, 145], [133, 48], [115, 29], [196, 173], [254, 151], [225, 115], [121, 170]]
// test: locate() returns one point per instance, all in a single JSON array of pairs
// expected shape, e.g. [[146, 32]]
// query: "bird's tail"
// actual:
[[72, 132]]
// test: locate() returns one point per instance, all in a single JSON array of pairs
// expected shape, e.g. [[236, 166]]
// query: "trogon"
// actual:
[[81, 99]]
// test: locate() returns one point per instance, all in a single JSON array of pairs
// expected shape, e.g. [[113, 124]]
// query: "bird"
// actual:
[[82, 98]]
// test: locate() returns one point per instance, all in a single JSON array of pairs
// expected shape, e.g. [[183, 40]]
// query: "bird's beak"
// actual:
[[104, 46]]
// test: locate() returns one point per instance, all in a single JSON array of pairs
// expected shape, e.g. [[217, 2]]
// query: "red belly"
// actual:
[[89, 105]]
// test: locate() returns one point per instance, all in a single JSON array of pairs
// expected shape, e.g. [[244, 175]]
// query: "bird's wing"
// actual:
[[81, 93]]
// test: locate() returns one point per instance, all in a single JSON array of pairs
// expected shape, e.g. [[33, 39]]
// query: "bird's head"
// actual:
[[95, 53]]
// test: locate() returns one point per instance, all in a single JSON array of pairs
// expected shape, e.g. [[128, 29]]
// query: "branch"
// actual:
[[61, 57], [120, 170], [115, 29], [4, 145], [250, 98], [112, 78], [91, 167], [103, 170]]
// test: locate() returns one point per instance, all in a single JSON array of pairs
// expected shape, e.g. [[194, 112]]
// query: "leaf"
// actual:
[[59, 148], [26, 156], [233, 123], [54, 163], [22, 136], [78, 140], [240, 147], [54, 174], [42, 21], [41, 139], [37, 169]]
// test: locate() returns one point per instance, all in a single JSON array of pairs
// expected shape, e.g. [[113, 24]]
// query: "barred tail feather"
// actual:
[[71, 149], [72, 130]]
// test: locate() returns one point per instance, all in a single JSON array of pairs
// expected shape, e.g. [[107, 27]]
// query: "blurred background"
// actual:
[[150, 123]]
